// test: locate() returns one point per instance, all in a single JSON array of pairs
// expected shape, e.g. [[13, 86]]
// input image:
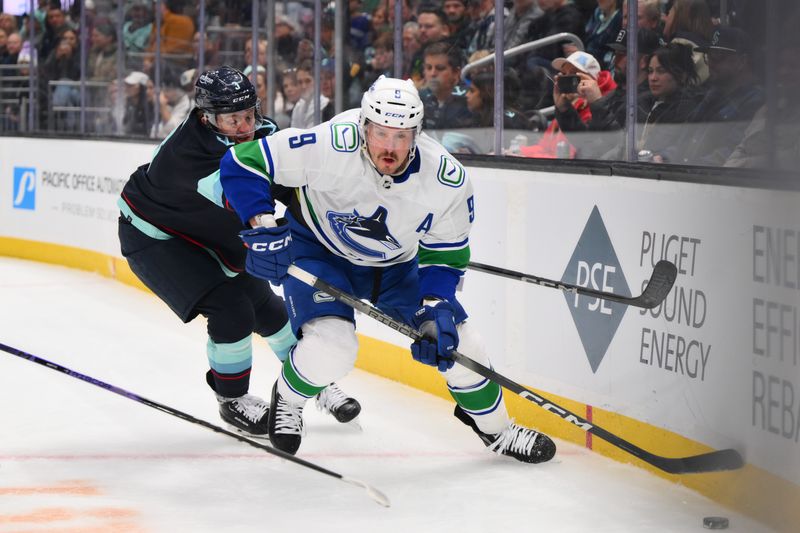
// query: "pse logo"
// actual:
[[594, 264], [24, 193]]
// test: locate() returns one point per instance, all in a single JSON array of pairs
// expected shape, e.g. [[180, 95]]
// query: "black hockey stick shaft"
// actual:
[[707, 462], [373, 493], [657, 288]]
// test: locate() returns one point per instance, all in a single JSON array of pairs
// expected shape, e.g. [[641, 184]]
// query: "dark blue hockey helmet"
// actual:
[[224, 90]]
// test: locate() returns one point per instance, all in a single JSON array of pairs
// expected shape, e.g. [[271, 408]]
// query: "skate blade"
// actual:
[[261, 438], [354, 424]]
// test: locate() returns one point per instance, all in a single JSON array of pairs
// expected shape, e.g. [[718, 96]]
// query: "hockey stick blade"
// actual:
[[714, 461], [657, 288], [708, 462], [372, 492]]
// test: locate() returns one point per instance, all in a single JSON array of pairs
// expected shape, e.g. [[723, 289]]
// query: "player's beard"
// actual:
[[388, 162]]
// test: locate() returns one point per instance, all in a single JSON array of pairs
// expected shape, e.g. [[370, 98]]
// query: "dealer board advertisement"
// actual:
[[65, 191]]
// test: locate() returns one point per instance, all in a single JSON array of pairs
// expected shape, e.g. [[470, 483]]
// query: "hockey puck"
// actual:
[[715, 522]]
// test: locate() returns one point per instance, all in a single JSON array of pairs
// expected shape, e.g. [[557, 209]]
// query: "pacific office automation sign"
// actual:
[[65, 197], [30, 181], [594, 264]]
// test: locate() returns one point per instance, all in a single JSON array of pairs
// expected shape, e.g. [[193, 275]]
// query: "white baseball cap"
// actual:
[[136, 78], [580, 60]]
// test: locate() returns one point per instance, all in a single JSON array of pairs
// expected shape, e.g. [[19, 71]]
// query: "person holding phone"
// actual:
[[579, 81]]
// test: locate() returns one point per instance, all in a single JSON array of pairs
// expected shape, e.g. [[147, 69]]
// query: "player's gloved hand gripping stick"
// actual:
[[436, 324], [269, 249]]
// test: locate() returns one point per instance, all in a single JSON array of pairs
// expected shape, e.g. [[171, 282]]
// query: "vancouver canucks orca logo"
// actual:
[[356, 231]]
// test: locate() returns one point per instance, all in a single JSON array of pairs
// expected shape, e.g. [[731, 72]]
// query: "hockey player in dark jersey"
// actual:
[[184, 246]]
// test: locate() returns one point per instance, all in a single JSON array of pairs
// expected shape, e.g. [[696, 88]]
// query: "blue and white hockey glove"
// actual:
[[436, 324], [269, 251]]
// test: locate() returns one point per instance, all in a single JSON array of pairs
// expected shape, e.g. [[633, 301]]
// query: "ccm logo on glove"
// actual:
[[269, 251], [271, 246]]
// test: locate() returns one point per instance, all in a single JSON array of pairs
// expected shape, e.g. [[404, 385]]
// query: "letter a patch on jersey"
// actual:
[[450, 173]]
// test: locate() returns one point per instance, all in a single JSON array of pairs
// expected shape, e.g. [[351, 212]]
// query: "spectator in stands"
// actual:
[[31, 25], [407, 10], [8, 23], [378, 23], [432, 24], [361, 32], [177, 31], [285, 42], [647, 42], [601, 30], [559, 16], [277, 115], [13, 91], [458, 23], [688, 22], [54, 24], [3, 41], [102, 62], [138, 109], [382, 62], [303, 111], [443, 97], [291, 90], [305, 51], [733, 97], [781, 150], [174, 104], [480, 101], [608, 111], [63, 65], [518, 21], [136, 33], [476, 56], [482, 27], [411, 46], [71, 37], [648, 15], [13, 48], [664, 110], [211, 56], [261, 58], [571, 107]]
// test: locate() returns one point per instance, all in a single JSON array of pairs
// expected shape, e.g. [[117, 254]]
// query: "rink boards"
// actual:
[[715, 366]]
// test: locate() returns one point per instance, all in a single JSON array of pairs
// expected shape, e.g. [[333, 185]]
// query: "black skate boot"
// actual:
[[521, 443], [248, 414], [285, 423], [332, 400]]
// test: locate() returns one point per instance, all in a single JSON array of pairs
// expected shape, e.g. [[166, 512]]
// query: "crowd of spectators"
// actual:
[[700, 73]]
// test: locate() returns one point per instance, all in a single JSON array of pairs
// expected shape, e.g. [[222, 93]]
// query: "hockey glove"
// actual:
[[438, 328], [269, 251]]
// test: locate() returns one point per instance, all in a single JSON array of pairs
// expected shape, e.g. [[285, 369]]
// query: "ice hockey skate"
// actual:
[[334, 401], [515, 441], [246, 414], [285, 423]]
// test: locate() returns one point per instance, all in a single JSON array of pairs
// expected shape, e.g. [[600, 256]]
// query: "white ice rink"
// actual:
[[77, 458]]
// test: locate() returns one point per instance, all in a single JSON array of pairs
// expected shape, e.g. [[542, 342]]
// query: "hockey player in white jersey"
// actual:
[[381, 211]]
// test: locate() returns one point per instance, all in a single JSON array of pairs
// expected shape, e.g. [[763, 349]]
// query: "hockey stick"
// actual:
[[372, 492], [657, 288], [707, 462]]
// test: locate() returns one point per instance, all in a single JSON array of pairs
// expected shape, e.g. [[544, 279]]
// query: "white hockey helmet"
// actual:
[[394, 103]]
